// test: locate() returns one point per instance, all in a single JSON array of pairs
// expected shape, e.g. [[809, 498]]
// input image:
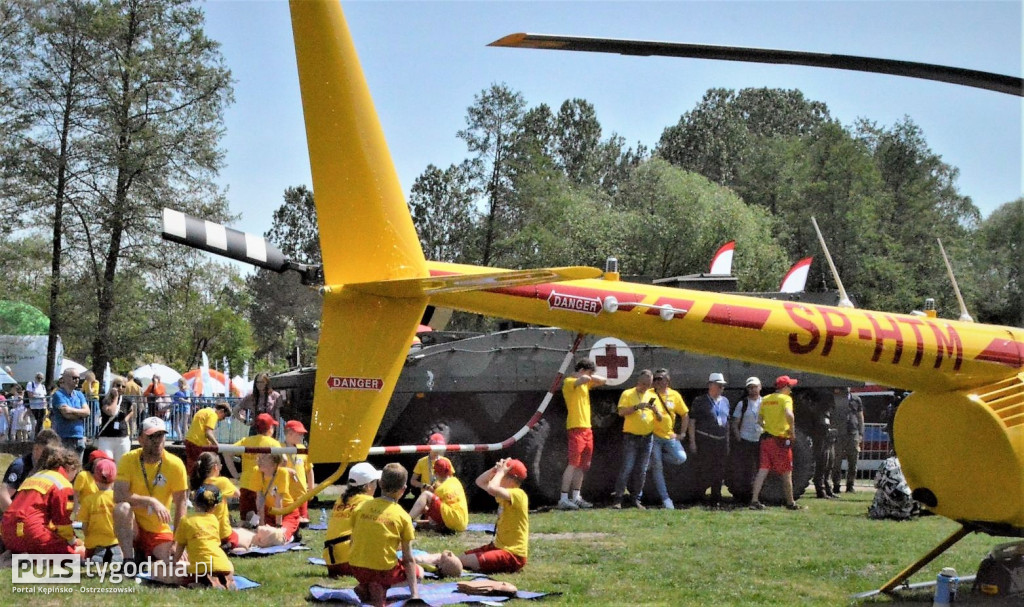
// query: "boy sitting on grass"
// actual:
[[97, 515], [444, 508], [507, 553], [381, 526]]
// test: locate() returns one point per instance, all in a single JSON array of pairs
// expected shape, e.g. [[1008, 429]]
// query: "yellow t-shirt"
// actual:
[[97, 516], [85, 485], [227, 489], [577, 402], [641, 422], [91, 389], [161, 480], [379, 528], [673, 407], [200, 534], [204, 419], [773, 414], [454, 509], [512, 531], [425, 470], [340, 525], [250, 474], [299, 462], [281, 485]]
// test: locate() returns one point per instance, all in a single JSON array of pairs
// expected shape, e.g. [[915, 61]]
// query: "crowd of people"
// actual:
[[741, 443]]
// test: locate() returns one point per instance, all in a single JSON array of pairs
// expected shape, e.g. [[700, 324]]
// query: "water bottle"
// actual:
[[945, 587], [323, 517]]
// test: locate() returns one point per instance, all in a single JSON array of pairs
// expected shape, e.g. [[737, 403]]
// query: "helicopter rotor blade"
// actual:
[[222, 240], [1000, 83]]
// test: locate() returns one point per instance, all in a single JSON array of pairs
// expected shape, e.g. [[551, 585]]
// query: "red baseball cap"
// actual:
[[264, 421], [436, 439], [98, 454], [443, 466], [104, 470], [295, 426], [784, 381], [517, 469]]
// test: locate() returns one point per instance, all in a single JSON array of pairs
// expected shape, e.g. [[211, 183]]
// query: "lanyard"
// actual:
[[145, 477], [270, 485]]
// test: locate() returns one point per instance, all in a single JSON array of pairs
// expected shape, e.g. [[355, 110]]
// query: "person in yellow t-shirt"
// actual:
[[637, 425], [381, 527], [423, 471], [149, 483], [202, 431], [278, 488], [777, 447], [248, 483], [198, 535], [207, 472], [671, 420], [576, 392], [97, 516], [84, 483], [508, 552], [445, 507], [295, 436], [361, 485]]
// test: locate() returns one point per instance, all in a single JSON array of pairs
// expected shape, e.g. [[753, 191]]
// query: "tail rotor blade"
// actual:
[[222, 240]]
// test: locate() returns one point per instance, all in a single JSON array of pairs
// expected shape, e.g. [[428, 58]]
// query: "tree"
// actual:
[[999, 296], [492, 125], [441, 203], [162, 90], [286, 312]]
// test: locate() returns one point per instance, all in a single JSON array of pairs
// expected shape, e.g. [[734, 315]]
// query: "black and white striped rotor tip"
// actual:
[[222, 240]]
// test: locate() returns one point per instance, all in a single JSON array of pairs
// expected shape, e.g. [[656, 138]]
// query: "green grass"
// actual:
[[820, 556]]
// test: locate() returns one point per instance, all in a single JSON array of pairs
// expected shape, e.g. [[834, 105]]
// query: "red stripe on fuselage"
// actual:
[[737, 316], [1005, 352]]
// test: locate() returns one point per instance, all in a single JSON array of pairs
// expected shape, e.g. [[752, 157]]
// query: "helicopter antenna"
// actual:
[[844, 301], [964, 314]]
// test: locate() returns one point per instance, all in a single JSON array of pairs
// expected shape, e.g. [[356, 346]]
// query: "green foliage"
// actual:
[[18, 318], [441, 203], [286, 312], [999, 271]]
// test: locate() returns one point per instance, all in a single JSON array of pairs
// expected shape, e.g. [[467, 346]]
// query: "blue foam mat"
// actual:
[[438, 593], [483, 527], [292, 546]]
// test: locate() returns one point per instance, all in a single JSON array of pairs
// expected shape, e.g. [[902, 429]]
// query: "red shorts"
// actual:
[[776, 455], [433, 511], [246, 504], [147, 541], [581, 447], [386, 578], [289, 522], [192, 453], [497, 560], [231, 540], [340, 569]]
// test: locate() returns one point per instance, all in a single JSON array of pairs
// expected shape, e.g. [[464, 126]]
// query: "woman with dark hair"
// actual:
[[116, 416], [262, 399], [39, 519]]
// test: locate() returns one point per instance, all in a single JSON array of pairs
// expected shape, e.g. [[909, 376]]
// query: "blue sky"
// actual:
[[425, 61]]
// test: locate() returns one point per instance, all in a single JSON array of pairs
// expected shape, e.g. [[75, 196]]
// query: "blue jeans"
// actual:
[[671, 451], [635, 450]]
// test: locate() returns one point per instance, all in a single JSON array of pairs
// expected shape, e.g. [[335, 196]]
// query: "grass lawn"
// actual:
[[693, 556]]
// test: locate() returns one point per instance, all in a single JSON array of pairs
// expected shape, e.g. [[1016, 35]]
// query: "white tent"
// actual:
[[168, 376], [67, 363], [242, 385]]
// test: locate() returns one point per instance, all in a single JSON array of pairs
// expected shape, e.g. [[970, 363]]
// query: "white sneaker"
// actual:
[[567, 504], [582, 503], [668, 505]]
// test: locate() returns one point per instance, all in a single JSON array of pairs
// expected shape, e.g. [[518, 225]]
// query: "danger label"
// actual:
[[355, 383], [574, 303]]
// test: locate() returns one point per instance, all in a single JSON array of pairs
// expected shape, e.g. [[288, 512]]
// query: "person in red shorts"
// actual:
[[576, 391], [150, 482], [380, 527], [39, 518], [508, 552], [445, 508], [777, 441]]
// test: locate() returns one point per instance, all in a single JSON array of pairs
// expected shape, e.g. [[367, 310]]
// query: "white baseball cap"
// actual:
[[152, 425], [753, 381], [363, 473], [717, 378]]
